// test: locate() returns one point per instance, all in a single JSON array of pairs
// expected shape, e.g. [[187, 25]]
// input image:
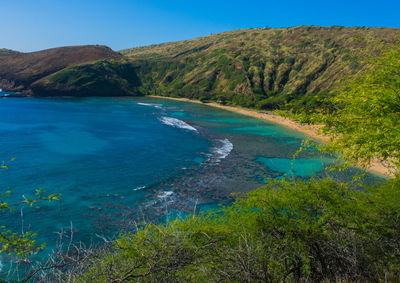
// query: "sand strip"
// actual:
[[309, 130]]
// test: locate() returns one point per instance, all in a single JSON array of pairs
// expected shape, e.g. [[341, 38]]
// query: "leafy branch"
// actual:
[[14, 243]]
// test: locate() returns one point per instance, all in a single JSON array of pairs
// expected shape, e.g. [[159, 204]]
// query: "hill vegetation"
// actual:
[[101, 78], [7, 51], [19, 71], [263, 68], [286, 68]]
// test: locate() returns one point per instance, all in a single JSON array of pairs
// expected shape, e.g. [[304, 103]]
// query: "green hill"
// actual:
[[41, 73], [7, 51], [264, 68]]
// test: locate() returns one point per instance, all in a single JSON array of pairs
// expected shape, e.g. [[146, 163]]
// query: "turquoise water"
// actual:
[[299, 167], [120, 160]]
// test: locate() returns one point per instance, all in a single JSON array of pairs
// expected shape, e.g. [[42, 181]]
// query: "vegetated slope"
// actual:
[[29, 72], [101, 78], [7, 51], [264, 68]]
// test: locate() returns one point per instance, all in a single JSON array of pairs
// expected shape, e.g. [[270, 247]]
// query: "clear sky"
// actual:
[[30, 25]]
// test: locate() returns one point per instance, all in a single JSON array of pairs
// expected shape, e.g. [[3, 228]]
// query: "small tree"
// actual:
[[14, 243], [366, 122]]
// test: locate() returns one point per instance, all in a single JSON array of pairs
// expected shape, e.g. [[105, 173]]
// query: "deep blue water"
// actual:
[[115, 160]]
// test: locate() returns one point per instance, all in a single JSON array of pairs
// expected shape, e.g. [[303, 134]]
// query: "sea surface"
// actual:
[[119, 161]]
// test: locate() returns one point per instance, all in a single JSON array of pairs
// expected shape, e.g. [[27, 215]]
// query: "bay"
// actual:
[[119, 161]]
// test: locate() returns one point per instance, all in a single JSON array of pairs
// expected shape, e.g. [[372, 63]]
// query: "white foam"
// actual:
[[173, 122], [159, 106], [139, 188], [165, 194], [223, 151]]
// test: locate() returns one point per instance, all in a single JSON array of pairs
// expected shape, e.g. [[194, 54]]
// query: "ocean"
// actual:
[[120, 161]]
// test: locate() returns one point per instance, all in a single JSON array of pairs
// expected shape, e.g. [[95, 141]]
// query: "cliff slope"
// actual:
[[29, 73], [264, 68], [285, 68]]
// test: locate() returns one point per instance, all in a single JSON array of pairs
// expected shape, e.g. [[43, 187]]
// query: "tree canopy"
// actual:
[[365, 122]]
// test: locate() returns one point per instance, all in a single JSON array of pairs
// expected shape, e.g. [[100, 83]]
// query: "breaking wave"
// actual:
[[139, 188], [164, 195], [222, 151], [173, 122], [155, 105]]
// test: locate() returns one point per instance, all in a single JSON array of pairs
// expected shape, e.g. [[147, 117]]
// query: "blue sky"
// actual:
[[30, 25]]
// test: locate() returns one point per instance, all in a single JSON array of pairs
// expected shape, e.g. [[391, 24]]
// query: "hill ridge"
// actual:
[[266, 68], [19, 71], [263, 67]]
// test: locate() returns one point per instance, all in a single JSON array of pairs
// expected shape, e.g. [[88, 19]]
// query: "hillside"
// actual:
[[285, 68], [263, 68], [7, 51], [28, 72]]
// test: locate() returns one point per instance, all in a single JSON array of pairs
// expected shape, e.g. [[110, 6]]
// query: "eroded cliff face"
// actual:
[[11, 85], [268, 68]]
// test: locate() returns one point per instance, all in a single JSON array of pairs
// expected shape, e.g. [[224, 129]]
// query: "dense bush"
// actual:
[[285, 231], [364, 122]]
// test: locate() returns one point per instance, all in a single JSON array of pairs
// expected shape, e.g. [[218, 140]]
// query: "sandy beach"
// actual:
[[310, 131]]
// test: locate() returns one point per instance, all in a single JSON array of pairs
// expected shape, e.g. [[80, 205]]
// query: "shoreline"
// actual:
[[311, 131]]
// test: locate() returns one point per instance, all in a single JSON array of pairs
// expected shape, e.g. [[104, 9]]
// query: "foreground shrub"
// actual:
[[304, 231]]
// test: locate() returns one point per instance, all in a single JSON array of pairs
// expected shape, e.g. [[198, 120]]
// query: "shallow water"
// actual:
[[115, 160]]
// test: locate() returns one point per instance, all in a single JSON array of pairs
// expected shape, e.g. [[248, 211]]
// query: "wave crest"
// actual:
[[222, 151], [164, 195], [155, 105], [173, 122], [139, 188]]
